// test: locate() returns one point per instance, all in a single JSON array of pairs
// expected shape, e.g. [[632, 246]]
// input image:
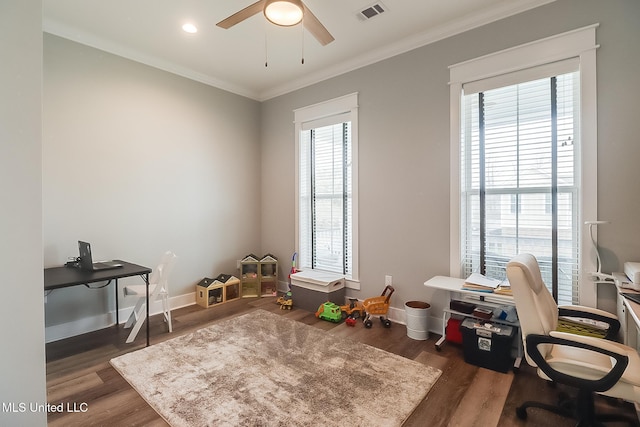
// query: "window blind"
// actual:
[[326, 196], [519, 191]]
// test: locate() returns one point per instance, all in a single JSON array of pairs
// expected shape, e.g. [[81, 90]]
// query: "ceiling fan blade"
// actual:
[[240, 16], [315, 27]]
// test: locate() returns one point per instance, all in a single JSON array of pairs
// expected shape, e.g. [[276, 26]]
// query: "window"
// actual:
[[523, 161], [519, 192], [326, 186]]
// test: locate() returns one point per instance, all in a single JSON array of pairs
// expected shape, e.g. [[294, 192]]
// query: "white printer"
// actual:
[[631, 277], [632, 271]]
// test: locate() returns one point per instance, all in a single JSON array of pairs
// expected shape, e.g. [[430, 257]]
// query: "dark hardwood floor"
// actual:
[[79, 375]]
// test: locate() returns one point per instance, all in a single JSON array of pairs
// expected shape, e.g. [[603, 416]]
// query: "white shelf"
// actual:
[[492, 320], [453, 287]]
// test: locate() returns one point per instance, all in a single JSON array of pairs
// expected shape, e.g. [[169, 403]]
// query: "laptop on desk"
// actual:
[[86, 260], [631, 296]]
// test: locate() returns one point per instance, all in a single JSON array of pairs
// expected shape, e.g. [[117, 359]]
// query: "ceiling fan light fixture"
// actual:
[[285, 13]]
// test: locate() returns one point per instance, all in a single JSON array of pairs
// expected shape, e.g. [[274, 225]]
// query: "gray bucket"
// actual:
[[417, 319]]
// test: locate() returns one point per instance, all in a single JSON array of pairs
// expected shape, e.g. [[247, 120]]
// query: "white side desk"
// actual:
[[628, 314], [453, 288]]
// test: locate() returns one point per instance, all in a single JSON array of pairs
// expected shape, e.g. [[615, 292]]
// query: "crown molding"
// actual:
[[52, 27], [410, 43], [462, 25]]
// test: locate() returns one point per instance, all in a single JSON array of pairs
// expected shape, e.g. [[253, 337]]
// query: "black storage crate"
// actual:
[[487, 345]]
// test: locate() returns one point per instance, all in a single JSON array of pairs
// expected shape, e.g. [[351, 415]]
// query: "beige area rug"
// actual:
[[262, 369]]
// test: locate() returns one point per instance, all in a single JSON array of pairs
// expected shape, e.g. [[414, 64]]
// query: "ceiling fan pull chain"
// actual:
[[302, 29], [266, 48]]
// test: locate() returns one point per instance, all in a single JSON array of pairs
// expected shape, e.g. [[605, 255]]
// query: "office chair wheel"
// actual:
[[368, 324], [386, 323], [564, 400], [521, 413]]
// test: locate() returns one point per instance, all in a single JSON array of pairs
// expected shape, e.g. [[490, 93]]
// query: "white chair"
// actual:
[[590, 364], [158, 289]]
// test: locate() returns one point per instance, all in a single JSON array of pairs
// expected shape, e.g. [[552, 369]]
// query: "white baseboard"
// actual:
[[396, 315], [78, 327], [282, 286], [399, 315], [101, 321]]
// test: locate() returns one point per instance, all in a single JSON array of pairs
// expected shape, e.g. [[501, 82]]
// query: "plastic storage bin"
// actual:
[[312, 288], [487, 345]]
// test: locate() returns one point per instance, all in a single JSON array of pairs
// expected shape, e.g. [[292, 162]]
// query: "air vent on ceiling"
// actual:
[[371, 11]]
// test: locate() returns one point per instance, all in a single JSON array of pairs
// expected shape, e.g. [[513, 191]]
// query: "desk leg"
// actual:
[[117, 310], [146, 280], [444, 332]]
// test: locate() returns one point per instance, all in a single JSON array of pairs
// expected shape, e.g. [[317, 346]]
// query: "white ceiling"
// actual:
[[149, 31]]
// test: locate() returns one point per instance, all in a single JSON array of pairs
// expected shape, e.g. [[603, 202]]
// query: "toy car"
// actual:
[[329, 311], [285, 301], [354, 309]]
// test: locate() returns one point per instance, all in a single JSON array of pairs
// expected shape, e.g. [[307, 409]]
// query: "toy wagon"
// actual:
[[378, 306]]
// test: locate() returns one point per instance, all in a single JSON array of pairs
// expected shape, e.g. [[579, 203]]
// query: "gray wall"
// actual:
[[22, 357], [227, 181], [138, 161], [238, 193], [404, 145]]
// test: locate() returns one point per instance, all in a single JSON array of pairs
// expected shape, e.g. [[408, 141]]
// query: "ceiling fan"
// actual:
[[285, 13]]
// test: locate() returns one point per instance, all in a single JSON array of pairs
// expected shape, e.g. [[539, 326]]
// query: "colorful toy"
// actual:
[[354, 309], [329, 311], [285, 301], [378, 306], [294, 270], [293, 263]]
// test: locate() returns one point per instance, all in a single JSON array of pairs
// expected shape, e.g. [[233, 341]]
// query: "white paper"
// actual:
[[479, 279]]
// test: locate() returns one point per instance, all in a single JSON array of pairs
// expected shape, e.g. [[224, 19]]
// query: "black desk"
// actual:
[[64, 277]]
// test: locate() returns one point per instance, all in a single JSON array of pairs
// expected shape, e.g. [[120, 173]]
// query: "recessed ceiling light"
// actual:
[[189, 28]]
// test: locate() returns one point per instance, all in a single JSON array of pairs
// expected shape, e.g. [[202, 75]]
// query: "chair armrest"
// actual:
[[605, 345], [583, 342], [583, 312], [585, 309]]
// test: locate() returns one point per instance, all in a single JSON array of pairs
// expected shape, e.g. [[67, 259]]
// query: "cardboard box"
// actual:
[[312, 288]]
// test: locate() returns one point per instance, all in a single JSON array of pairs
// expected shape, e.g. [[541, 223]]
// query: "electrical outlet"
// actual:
[[388, 280], [237, 264]]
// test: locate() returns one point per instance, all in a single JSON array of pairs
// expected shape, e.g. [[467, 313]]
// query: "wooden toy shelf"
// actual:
[[258, 276]]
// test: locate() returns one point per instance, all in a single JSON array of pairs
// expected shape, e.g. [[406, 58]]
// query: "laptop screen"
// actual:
[[86, 260]]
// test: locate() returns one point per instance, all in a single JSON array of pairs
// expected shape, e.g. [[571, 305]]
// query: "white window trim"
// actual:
[[579, 43], [333, 107]]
